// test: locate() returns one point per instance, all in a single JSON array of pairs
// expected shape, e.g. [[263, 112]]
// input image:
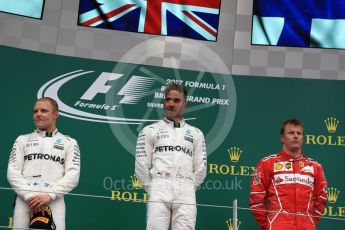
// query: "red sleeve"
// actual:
[[319, 194], [258, 193]]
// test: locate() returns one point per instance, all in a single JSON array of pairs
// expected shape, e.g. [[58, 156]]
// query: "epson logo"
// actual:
[[190, 139], [60, 147], [132, 91]]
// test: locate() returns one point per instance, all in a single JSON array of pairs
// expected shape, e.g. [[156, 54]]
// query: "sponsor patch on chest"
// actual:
[[58, 144], [291, 178], [282, 166], [308, 169], [188, 136]]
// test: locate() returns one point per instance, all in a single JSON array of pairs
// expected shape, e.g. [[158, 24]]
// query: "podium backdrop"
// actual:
[[105, 104]]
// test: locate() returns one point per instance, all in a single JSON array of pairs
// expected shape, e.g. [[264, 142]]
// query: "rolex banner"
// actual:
[[104, 105]]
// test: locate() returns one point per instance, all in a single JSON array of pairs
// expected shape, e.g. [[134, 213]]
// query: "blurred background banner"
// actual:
[[29, 8], [304, 23]]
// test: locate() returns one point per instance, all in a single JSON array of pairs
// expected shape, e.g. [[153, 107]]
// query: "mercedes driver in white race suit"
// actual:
[[43, 166], [170, 165]]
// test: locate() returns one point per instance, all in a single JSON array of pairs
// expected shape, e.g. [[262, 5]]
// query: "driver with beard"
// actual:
[[170, 164]]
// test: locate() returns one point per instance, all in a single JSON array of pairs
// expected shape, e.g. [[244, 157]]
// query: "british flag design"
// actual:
[[196, 19]]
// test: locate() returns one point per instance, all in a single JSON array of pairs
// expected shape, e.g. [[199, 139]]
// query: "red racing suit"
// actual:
[[287, 192]]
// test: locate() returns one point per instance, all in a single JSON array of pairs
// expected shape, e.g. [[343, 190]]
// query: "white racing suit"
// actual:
[[170, 165], [41, 164]]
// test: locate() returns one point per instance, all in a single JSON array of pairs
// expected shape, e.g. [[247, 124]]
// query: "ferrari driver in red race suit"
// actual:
[[288, 189]]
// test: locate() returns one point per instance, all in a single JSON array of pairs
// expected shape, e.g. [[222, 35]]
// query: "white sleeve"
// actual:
[[143, 157], [15, 168], [72, 171], [200, 160]]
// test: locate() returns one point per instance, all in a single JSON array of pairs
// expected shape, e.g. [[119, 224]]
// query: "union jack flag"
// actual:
[[197, 19]]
